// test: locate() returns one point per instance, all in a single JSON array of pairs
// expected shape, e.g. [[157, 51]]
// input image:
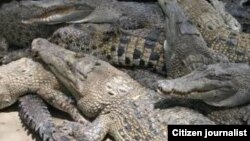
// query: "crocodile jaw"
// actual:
[[58, 62]]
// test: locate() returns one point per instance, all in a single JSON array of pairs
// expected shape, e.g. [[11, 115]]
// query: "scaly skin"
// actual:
[[41, 121], [141, 45], [35, 114], [128, 15], [228, 18], [14, 15], [19, 35], [132, 38], [231, 116], [184, 50], [215, 31], [27, 76], [184, 45], [141, 48], [120, 106], [14, 31], [223, 85]]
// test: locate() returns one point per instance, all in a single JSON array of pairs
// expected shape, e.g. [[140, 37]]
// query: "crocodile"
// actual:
[[128, 15], [136, 41], [224, 86], [140, 48], [119, 106], [184, 43], [218, 35], [25, 20], [27, 76]]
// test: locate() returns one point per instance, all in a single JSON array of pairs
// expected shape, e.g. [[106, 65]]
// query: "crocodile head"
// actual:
[[56, 11], [94, 83], [220, 84]]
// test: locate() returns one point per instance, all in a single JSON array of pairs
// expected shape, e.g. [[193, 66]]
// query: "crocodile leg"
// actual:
[[62, 102], [96, 131], [80, 132], [34, 113]]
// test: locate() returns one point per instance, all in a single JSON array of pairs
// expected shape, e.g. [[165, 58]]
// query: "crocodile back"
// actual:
[[216, 32]]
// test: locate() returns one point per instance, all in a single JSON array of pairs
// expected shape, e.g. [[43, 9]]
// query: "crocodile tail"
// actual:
[[34, 113], [131, 50], [141, 48]]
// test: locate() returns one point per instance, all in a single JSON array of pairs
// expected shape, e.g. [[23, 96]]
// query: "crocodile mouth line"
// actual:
[[185, 94]]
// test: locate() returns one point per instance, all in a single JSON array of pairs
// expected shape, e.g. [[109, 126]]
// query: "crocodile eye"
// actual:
[[159, 89]]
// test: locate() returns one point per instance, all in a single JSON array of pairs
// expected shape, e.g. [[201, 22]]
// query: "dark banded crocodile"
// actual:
[[120, 47], [135, 48]]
